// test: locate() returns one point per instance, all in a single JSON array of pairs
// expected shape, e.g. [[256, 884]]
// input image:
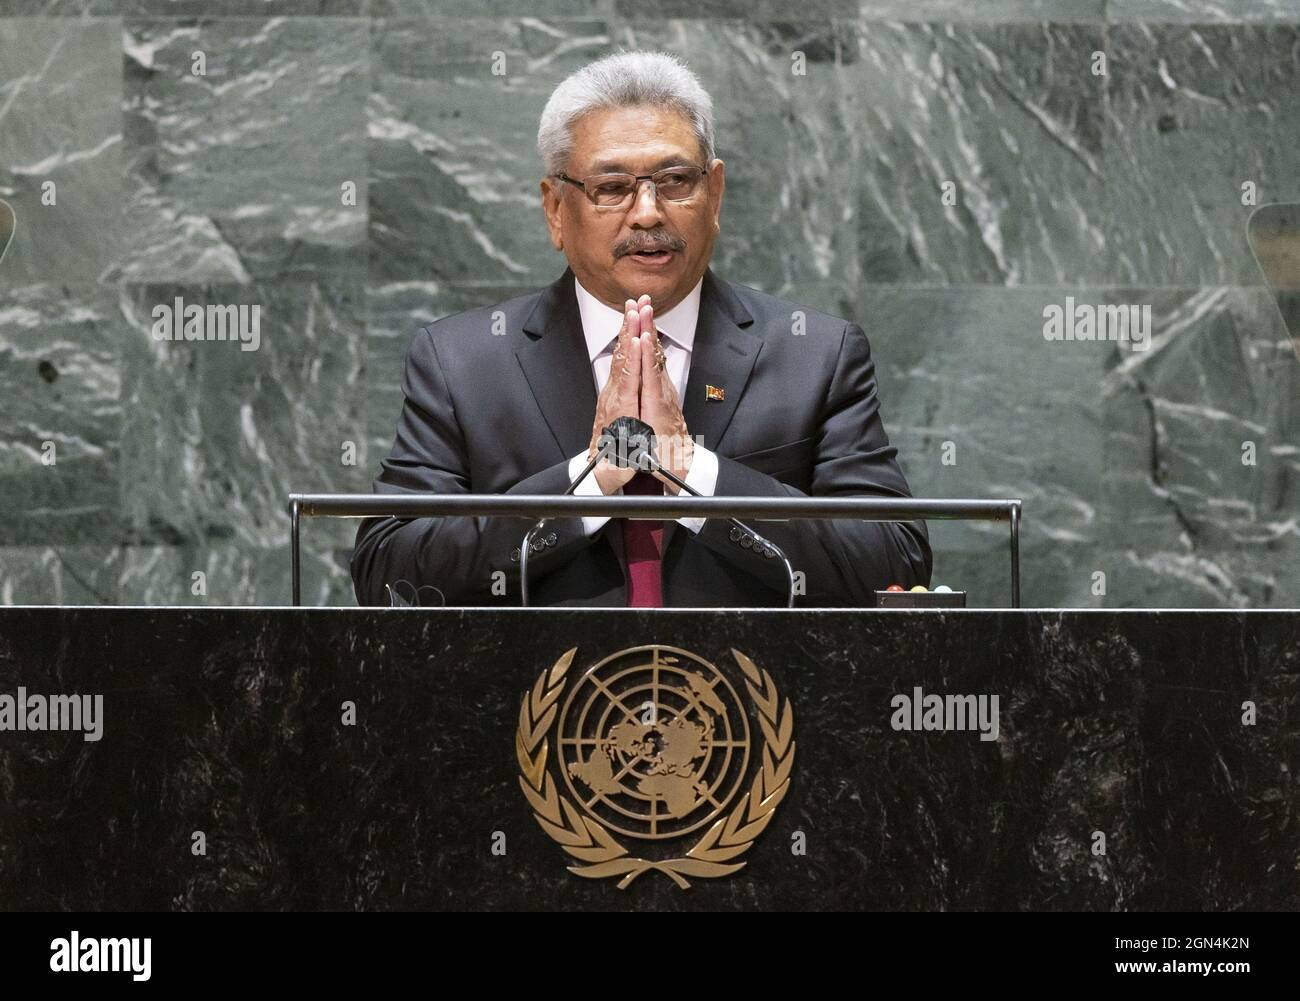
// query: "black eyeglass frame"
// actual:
[[637, 179]]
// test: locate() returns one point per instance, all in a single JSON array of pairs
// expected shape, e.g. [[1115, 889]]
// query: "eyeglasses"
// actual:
[[676, 184]]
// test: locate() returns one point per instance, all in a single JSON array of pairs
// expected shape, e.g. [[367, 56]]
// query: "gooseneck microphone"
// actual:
[[627, 442]]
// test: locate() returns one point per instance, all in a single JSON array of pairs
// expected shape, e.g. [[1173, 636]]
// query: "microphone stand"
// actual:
[[606, 445], [632, 437]]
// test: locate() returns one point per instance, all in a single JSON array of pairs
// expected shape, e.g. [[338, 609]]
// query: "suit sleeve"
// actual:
[[459, 556], [843, 561]]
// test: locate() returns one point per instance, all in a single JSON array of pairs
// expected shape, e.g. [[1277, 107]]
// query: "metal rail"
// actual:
[[656, 508]]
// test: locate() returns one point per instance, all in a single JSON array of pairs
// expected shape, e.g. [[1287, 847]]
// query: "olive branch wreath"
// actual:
[[589, 841]]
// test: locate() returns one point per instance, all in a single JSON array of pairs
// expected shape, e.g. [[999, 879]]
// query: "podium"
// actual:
[[343, 759]]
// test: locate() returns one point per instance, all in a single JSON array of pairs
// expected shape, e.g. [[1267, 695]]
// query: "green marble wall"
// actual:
[[226, 188]]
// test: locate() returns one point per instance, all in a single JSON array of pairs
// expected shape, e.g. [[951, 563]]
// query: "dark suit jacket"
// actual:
[[504, 412]]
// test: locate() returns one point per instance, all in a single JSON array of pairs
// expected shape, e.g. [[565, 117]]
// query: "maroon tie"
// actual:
[[641, 545]]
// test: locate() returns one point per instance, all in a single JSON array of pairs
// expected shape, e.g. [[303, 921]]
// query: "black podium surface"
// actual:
[[1128, 770]]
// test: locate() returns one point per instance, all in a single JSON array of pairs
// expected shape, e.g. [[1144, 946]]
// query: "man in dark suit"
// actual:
[[748, 395]]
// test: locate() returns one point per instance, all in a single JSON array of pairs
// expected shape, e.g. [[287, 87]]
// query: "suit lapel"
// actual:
[[723, 356], [555, 363]]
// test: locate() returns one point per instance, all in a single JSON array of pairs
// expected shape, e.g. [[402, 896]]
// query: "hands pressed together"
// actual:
[[639, 386]]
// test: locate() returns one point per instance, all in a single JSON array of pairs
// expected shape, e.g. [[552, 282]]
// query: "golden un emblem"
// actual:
[[654, 744]]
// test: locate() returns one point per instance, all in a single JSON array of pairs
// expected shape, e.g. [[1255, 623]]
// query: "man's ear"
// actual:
[[553, 209]]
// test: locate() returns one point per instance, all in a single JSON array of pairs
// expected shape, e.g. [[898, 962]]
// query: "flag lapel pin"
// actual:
[[714, 392]]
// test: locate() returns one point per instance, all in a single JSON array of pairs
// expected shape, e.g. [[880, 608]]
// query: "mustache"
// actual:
[[661, 241]]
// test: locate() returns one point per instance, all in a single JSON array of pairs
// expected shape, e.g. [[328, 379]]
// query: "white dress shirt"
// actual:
[[600, 327]]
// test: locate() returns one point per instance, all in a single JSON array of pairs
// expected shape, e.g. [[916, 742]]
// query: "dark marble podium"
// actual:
[[228, 721]]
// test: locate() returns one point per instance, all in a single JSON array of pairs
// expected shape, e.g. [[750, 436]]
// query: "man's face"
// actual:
[[600, 243]]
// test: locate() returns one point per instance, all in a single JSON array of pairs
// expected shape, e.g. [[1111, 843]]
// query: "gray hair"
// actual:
[[623, 80]]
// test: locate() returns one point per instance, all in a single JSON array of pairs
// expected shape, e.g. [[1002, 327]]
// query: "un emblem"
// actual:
[[654, 744]]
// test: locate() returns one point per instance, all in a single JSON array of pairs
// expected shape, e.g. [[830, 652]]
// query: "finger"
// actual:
[[654, 344], [629, 308], [649, 334], [630, 385], [650, 384], [621, 348], [647, 313], [631, 323]]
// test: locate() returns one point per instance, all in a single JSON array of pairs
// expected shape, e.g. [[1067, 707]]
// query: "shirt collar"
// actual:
[[601, 324]]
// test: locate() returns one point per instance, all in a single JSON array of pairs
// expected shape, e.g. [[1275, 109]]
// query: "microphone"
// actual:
[[634, 439]]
